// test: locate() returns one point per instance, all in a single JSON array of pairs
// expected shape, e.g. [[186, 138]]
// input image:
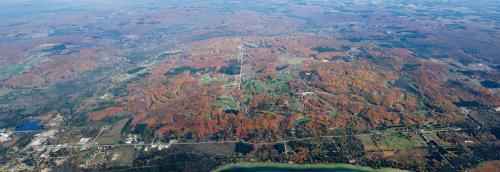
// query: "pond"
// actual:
[[490, 84], [468, 104], [30, 126], [324, 49], [190, 70]]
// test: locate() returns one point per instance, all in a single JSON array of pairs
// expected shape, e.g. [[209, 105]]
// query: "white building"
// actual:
[[132, 138], [307, 93], [50, 133], [173, 141], [83, 141], [4, 137], [38, 141]]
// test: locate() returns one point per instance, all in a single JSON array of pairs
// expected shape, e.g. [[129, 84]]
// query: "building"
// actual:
[[56, 121], [38, 141], [4, 136], [307, 93], [469, 142], [50, 133], [83, 141], [132, 138]]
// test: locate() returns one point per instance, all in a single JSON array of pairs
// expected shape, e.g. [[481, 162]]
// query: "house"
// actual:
[[4, 137], [83, 141], [307, 93]]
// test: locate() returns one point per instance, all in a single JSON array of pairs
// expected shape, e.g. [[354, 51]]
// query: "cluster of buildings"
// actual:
[[5, 136], [307, 93], [56, 121], [132, 138], [38, 150], [41, 138], [84, 141], [161, 146]]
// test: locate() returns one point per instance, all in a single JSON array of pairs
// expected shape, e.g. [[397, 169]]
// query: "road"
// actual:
[[222, 142], [434, 146]]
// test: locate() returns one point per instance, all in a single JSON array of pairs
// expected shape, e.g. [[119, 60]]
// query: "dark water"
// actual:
[[30, 126], [467, 103], [191, 70], [293, 167], [135, 70], [490, 84], [252, 169], [324, 49], [59, 47], [230, 70]]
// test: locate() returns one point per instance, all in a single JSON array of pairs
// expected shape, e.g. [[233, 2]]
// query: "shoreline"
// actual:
[[314, 167]]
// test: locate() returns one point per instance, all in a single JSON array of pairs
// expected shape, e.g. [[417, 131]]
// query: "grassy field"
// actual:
[[257, 86], [225, 101], [296, 167], [207, 79], [433, 136], [113, 136], [292, 60], [368, 143], [28, 63], [215, 149], [98, 158], [124, 156], [277, 85], [400, 142]]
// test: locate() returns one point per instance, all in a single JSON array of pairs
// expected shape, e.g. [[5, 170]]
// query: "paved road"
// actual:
[[224, 142]]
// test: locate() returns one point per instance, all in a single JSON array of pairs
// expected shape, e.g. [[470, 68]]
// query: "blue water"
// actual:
[[30, 126], [280, 169]]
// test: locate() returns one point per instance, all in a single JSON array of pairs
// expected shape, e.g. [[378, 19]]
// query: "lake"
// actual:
[[30, 126], [248, 167]]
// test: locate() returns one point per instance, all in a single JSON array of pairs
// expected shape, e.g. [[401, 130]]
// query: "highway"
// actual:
[[222, 142]]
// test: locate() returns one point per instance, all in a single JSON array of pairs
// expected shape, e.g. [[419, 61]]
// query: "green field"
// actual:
[[207, 79], [368, 143], [125, 156], [222, 149], [225, 101], [433, 136], [244, 167], [113, 136], [277, 85], [25, 65], [399, 141]]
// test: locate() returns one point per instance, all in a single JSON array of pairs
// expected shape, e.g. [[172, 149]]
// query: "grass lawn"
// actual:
[[225, 101], [113, 136], [25, 65], [206, 79], [401, 142], [368, 143], [433, 136], [277, 85], [125, 156]]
